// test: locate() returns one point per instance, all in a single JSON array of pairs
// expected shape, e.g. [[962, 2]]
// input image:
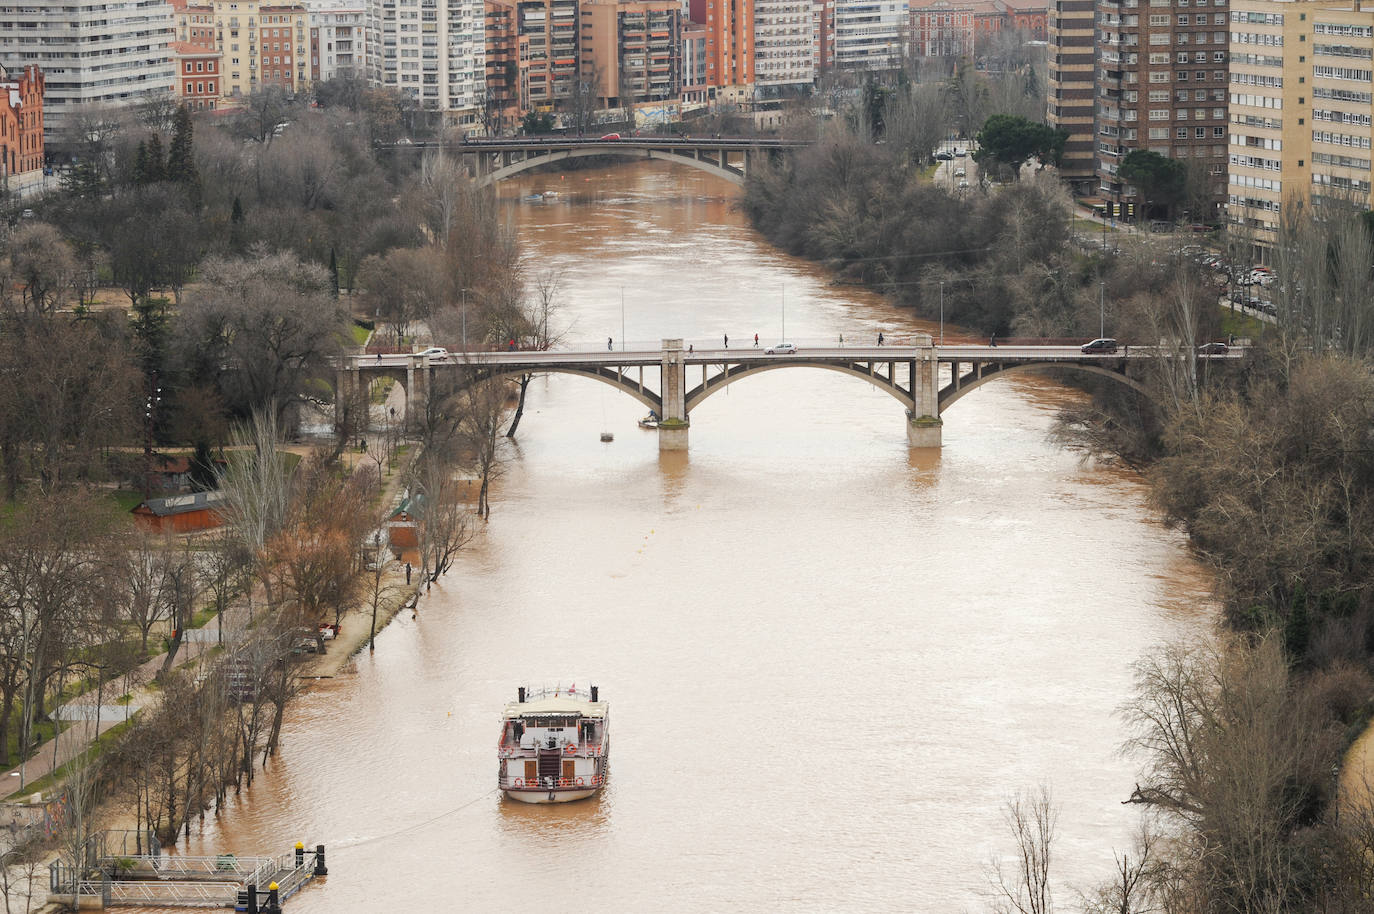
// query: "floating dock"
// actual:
[[109, 877]]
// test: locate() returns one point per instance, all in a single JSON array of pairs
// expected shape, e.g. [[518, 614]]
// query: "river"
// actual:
[[830, 659]]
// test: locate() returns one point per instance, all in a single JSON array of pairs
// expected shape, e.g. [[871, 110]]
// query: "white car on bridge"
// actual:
[[781, 349]]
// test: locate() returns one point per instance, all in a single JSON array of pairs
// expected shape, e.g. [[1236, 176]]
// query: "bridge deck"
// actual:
[[959, 353]]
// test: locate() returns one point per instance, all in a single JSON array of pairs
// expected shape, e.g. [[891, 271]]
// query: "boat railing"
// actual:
[[534, 694], [552, 783], [572, 750]]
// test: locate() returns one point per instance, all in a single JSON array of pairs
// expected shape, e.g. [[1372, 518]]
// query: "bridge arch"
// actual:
[[698, 394], [617, 148], [950, 395], [606, 376]]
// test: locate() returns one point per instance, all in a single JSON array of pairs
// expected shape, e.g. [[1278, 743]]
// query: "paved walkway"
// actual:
[[68, 744]]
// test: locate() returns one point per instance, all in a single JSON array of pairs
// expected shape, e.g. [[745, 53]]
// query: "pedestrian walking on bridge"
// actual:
[[609, 347]]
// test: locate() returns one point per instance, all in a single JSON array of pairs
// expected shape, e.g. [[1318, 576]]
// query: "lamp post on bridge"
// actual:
[[942, 312], [1101, 309], [465, 321]]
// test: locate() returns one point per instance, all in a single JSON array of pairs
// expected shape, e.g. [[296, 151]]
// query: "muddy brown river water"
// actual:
[[830, 659]]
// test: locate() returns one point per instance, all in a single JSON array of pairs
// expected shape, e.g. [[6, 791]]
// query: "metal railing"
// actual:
[[155, 893], [225, 865], [552, 783]]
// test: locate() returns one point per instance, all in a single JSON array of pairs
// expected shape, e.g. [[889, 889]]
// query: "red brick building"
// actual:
[[954, 28], [21, 121], [198, 75], [1029, 16], [941, 28], [283, 38]]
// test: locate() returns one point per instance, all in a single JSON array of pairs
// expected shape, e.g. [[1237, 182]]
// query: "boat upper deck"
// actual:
[[553, 703]]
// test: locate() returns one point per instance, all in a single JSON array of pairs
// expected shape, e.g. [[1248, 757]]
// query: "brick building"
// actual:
[[21, 121], [198, 76]]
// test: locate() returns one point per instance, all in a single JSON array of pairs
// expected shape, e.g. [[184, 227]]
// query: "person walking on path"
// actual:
[[609, 347], [756, 341], [993, 342], [880, 337], [727, 341], [691, 348]]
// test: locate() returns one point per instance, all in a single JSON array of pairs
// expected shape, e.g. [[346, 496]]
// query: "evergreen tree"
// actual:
[[157, 162], [141, 163], [333, 270], [181, 159], [236, 238], [203, 478]]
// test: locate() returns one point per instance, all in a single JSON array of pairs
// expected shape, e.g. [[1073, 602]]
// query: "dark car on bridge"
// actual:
[[1217, 348], [1100, 346]]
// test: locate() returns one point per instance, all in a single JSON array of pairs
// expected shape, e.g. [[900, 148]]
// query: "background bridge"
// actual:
[[680, 379], [495, 159]]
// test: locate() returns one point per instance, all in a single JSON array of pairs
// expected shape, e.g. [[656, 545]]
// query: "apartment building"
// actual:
[[432, 50], [823, 33], [338, 39], [1073, 86], [1300, 109], [633, 50], [90, 51], [198, 76], [551, 35], [693, 63], [784, 48], [870, 34], [260, 45], [21, 122], [503, 104], [729, 45], [1162, 85], [194, 22]]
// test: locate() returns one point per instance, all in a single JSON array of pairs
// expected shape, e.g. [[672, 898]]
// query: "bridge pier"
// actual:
[[924, 427], [673, 424]]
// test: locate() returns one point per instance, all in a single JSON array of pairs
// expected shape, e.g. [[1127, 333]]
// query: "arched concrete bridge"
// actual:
[[496, 159], [909, 373]]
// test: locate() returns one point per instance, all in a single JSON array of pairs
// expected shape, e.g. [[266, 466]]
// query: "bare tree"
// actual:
[[39, 271], [1138, 881], [1032, 818], [539, 329], [257, 492], [265, 330], [481, 411]]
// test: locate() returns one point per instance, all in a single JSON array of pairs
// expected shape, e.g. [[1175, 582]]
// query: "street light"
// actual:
[[942, 312], [1101, 309]]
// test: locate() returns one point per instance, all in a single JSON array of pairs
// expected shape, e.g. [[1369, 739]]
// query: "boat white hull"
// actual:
[[550, 796]]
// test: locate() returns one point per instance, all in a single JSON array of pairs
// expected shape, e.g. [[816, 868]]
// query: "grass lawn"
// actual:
[[360, 335], [1242, 325], [125, 500]]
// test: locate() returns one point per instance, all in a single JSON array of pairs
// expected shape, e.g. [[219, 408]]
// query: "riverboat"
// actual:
[[554, 745], [649, 421]]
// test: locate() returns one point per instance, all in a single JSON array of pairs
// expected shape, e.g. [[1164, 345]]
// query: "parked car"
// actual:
[[944, 156], [963, 183], [781, 349], [960, 172], [959, 153], [1213, 349], [1101, 346]]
